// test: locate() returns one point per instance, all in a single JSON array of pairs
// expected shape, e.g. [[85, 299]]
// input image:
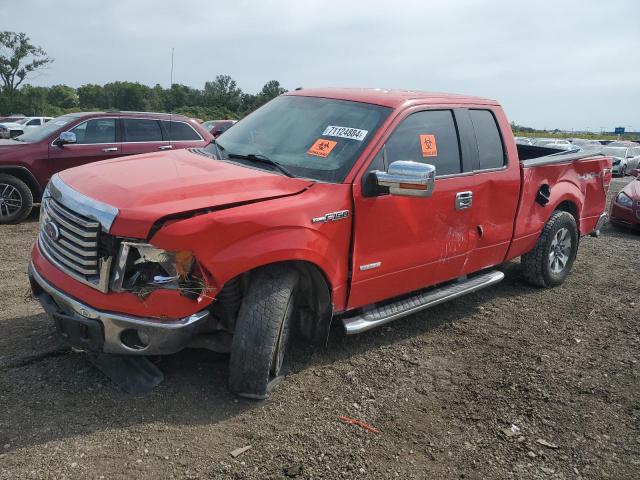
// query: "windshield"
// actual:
[[615, 151], [22, 121], [38, 134], [311, 137]]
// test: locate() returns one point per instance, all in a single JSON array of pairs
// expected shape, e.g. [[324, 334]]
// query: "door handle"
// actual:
[[110, 149], [464, 200], [165, 147]]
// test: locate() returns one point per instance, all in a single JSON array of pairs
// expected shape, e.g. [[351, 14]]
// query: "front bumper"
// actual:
[[625, 216], [95, 330]]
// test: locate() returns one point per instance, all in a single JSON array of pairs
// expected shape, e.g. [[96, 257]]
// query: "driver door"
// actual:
[[405, 243], [96, 139]]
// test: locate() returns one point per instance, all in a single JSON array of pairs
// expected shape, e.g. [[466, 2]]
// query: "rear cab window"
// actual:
[[488, 140]]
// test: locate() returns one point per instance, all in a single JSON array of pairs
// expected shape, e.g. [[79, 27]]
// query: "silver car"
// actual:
[[559, 143], [625, 159]]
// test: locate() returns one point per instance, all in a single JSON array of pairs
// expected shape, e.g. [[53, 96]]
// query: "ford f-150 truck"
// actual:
[[354, 205]]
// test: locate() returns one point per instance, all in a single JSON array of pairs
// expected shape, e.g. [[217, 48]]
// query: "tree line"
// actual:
[[20, 59]]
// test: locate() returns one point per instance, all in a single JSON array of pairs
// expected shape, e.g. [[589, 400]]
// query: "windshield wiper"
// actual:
[[253, 157], [219, 148]]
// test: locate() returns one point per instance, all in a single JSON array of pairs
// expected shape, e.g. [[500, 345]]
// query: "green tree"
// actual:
[[62, 96], [19, 58], [91, 96], [223, 92], [271, 89]]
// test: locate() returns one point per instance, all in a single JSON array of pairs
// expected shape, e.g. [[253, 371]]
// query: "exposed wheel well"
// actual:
[[26, 176], [571, 208], [316, 308]]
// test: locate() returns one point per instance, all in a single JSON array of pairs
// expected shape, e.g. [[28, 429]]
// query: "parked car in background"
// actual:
[[10, 129], [625, 159], [218, 127], [11, 118], [28, 161], [523, 140], [625, 209], [558, 143], [623, 143], [586, 144]]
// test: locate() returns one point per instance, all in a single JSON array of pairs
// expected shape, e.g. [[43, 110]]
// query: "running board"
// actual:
[[401, 308]]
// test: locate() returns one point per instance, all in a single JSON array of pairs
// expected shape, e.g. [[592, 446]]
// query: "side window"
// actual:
[[426, 137], [141, 130], [490, 149], [177, 131], [34, 122], [97, 130]]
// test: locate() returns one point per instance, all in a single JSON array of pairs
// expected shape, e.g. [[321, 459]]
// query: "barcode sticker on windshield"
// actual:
[[345, 132]]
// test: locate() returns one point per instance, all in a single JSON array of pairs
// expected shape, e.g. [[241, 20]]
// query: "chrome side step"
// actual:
[[401, 308]]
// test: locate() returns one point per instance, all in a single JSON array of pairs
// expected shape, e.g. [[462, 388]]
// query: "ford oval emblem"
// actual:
[[52, 231]]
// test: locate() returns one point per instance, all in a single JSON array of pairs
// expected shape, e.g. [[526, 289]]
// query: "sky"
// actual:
[[569, 64]]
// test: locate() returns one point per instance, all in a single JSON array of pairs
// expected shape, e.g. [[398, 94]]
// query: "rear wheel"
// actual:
[[262, 334], [550, 261], [16, 199]]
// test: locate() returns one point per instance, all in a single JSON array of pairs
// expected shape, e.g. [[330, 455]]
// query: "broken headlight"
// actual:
[[143, 268]]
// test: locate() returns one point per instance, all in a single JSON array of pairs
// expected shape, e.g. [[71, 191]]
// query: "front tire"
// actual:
[[16, 199], [550, 261], [262, 333]]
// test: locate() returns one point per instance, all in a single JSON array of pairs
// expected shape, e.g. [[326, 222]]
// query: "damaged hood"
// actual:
[[146, 188]]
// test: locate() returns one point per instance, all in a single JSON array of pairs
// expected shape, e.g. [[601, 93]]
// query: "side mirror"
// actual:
[[66, 138], [408, 178], [217, 132]]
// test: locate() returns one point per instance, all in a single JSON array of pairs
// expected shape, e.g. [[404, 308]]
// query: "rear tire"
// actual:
[[262, 334], [550, 261], [16, 199]]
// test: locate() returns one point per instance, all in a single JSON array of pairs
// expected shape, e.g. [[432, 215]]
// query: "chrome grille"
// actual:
[[71, 240]]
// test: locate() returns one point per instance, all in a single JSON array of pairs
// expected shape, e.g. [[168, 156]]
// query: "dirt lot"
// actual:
[[561, 365]]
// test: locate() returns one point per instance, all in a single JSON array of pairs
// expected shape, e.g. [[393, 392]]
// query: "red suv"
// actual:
[[27, 162]]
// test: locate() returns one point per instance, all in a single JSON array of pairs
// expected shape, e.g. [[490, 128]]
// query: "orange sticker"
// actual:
[[321, 147], [428, 144]]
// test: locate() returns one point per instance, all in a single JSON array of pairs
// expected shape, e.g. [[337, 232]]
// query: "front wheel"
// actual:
[[262, 332], [16, 199], [550, 261]]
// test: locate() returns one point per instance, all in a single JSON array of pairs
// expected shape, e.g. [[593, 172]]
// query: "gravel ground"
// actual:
[[510, 382]]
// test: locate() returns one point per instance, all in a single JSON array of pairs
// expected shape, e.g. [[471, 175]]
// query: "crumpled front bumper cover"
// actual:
[[89, 329]]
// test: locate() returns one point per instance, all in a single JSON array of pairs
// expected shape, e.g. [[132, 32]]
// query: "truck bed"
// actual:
[[573, 181]]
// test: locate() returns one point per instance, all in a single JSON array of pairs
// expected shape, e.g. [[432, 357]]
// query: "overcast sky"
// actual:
[[562, 63]]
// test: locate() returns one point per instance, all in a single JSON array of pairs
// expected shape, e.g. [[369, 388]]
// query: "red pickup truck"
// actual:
[[354, 205]]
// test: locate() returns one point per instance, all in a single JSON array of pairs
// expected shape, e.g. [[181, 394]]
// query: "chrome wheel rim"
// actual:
[[10, 200], [560, 252]]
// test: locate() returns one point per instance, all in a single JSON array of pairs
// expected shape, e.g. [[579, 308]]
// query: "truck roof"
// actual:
[[390, 98], [126, 113]]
